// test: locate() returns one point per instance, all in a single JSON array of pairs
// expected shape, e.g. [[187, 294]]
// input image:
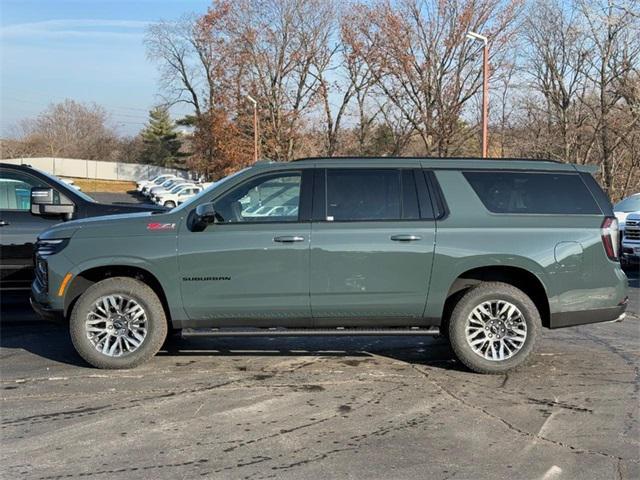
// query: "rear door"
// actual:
[[19, 229], [372, 247]]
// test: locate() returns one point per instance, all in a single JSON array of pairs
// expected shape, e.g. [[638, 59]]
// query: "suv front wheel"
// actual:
[[118, 323], [494, 328]]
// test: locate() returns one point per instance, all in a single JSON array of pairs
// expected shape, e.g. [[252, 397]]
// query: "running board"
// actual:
[[302, 332]]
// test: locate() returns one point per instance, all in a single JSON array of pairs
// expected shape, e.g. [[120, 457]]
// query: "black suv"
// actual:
[[30, 202]]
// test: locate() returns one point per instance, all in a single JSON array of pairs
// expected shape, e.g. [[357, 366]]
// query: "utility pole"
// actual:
[[485, 89], [255, 127]]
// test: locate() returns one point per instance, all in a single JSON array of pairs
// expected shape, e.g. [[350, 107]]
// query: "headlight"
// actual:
[[44, 248]]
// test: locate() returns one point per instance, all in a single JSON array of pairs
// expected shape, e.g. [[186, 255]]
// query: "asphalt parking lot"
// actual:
[[380, 408]]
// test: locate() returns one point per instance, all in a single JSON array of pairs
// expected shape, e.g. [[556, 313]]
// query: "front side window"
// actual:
[[533, 192], [15, 190], [363, 194], [268, 198]]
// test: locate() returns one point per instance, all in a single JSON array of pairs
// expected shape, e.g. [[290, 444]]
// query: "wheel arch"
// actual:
[[83, 280], [519, 277]]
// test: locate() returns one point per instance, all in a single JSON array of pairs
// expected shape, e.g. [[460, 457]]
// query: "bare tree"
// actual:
[[70, 129], [613, 32], [193, 58], [556, 60], [280, 43], [421, 61]]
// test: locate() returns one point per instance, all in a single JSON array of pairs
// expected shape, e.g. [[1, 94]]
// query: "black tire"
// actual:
[[145, 297], [473, 298], [170, 204]]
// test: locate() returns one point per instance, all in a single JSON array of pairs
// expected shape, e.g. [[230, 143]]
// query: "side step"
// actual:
[[301, 332]]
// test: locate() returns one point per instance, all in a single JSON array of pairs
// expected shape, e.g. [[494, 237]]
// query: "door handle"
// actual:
[[3, 223], [405, 238], [289, 239]]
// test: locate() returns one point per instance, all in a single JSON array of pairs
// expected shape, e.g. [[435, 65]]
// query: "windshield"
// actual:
[[210, 188], [629, 204], [177, 188], [66, 187]]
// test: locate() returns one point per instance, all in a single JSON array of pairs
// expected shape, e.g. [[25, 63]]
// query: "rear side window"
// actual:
[[361, 194], [371, 194], [538, 193]]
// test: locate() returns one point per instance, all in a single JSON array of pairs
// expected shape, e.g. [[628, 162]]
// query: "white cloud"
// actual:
[[77, 28]]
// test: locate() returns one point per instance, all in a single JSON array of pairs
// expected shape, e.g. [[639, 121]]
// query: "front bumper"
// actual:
[[570, 319], [630, 254], [46, 312]]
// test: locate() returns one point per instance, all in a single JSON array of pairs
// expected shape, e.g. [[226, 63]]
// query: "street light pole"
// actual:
[[255, 127], [485, 89]]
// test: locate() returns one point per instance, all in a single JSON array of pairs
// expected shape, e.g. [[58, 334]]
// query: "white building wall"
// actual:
[[73, 167]]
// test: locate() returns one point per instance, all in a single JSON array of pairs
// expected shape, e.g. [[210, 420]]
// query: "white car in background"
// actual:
[[144, 185], [174, 188], [625, 207], [630, 252], [178, 195], [627, 211], [71, 182], [165, 187]]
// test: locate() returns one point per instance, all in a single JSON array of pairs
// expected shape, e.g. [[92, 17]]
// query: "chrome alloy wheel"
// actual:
[[116, 325], [496, 330]]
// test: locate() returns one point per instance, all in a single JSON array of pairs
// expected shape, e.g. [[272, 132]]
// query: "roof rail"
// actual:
[[469, 158]]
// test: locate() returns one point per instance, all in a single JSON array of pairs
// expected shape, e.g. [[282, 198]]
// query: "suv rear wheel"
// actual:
[[494, 328], [170, 204], [118, 323]]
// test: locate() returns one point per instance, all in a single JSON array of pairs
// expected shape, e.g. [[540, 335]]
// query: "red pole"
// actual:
[[485, 100], [255, 132]]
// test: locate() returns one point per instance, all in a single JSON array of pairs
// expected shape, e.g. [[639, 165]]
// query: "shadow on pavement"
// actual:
[[51, 341]]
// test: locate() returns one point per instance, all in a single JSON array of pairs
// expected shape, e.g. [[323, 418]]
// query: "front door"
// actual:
[[372, 248], [19, 229], [251, 268]]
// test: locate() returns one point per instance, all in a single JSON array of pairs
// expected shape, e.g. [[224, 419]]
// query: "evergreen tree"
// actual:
[[161, 142]]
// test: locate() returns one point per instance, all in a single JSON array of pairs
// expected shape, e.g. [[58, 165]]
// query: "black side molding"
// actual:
[[570, 319]]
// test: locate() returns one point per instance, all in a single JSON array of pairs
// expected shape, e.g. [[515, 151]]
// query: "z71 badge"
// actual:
[[161, 226]]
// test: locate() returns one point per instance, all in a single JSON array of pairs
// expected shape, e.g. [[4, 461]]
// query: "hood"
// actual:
[[621, 216], [116, 208], [121, 226], [624, 216]]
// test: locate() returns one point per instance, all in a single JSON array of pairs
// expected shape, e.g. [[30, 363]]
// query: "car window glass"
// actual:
[[528, 192], [630, 204], [272, 198], [15, 190], [363, 194]]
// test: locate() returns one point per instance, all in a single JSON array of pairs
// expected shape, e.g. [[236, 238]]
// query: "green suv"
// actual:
[[483, 252]]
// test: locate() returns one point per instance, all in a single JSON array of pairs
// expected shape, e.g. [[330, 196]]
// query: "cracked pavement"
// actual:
[[324, 407]]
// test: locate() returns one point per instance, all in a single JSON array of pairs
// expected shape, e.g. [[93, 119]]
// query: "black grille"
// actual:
[[44, 249], [632, 233]]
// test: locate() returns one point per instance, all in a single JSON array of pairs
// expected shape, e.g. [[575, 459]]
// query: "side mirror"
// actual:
[[43, 203], [204, 215]]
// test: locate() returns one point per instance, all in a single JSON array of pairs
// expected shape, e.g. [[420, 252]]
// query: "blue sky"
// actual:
[[88, 50]]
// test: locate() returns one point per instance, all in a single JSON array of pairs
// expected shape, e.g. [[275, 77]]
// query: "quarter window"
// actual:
[[527, 192], [271, 198]]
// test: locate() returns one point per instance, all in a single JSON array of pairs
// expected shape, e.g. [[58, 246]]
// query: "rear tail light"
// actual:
[[610, 237]]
